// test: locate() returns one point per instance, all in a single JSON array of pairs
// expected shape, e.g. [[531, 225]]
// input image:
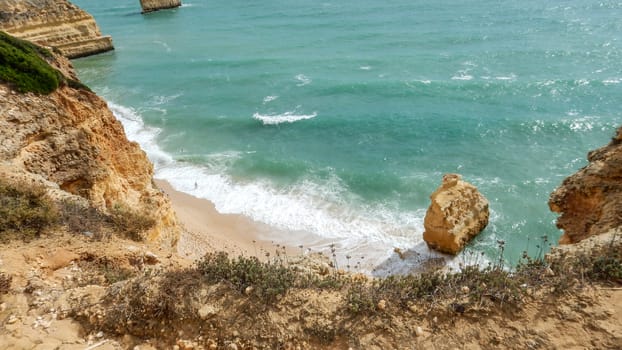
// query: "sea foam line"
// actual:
[[312, 207], [287, 117]]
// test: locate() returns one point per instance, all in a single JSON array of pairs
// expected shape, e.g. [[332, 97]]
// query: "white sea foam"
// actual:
[[512, 76], [462, 77], [287, 117], [137, 131], [163, 99], [163, 44], [581, 124], [315, 208], [303, 80], [270, 98], [612, 81], [424, 81], [364, 67]]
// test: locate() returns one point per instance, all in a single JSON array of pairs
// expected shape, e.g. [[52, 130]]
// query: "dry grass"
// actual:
[[130, 223], [5, 283], [25, 211]]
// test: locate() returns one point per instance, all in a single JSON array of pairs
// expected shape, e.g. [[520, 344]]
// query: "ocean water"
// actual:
[[337, 119]]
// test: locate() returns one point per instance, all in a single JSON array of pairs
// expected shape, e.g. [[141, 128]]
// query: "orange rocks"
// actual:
[[458, 213], [590, 201]]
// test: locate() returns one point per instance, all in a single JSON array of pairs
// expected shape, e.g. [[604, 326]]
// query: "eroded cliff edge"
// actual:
[[70, 142], [590, 201], [56, 23]]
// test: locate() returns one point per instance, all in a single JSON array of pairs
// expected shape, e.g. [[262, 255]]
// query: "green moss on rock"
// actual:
[[22, 66]]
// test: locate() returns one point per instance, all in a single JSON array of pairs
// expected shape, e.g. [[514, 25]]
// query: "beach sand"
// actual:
[[208, 230], [205, 230]]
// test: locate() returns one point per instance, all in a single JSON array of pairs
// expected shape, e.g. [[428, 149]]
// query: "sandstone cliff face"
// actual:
[[154, 5], [55, 23], [590, 201], [70, 138], [458, 213]]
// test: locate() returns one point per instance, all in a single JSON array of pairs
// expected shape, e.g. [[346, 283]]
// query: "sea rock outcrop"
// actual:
[[55, 23], [458, 213], [70, 141], [590, 201], [154, 5]]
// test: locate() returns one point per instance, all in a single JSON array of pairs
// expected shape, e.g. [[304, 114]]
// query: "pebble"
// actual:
[[151, 258], [419, 331], [465, 289], [382, 304], [248, 290], [99, 334]]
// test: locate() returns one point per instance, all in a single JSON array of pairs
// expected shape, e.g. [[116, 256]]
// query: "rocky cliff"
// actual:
[[55, 23], [71, 142], [154, 5], [590, 201]]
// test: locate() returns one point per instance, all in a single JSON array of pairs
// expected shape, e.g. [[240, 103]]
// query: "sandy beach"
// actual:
[[208, 230]]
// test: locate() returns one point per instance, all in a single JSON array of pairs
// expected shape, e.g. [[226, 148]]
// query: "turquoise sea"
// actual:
[[338, 118]]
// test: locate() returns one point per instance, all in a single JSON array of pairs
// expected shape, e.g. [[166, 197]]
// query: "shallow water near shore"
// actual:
[[337, 120]]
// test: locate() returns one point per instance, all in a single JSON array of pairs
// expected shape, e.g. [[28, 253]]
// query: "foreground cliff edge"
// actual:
[[86, 258], [55, 23]]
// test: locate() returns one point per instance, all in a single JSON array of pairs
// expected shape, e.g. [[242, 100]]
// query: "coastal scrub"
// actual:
[[22, 66], [25, 211]]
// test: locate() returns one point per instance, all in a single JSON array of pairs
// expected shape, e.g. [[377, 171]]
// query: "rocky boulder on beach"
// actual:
[[458, 213]]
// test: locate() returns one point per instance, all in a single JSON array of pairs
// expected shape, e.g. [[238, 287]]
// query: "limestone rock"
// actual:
[[71, 142], [590, 201], [458, 213], [56, 23], [154, 5]]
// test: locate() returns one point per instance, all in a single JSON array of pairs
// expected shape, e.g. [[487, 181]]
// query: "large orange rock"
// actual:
[[590, 201], [458, 213]]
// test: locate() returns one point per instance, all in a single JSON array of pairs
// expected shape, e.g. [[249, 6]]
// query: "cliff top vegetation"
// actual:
[[22, 66]]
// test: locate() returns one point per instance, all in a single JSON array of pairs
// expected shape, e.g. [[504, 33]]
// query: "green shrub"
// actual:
[[607, 268], [75, 84], [130, 223], [267, 280], [22, 66], [25, 211]]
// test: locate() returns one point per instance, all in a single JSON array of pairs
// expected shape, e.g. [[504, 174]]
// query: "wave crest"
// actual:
[[287, 117]]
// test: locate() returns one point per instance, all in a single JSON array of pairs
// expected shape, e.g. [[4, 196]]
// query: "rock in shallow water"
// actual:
[[155, 5], [458, 213]]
